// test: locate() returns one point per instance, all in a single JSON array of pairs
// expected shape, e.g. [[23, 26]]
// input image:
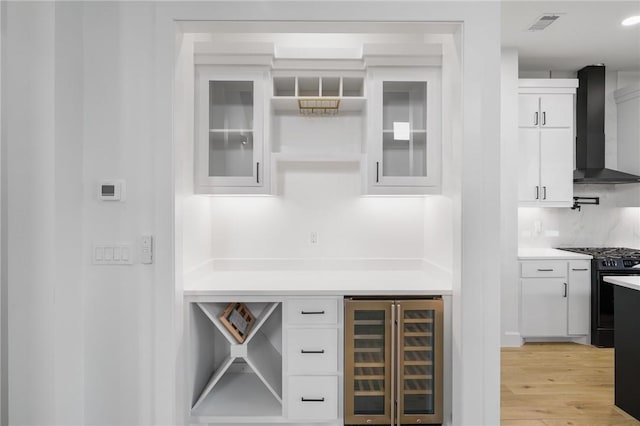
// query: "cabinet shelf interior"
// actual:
[[253, 367], [233, 393]]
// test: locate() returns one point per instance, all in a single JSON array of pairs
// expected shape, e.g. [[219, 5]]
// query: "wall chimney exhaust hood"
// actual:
[[590, 131]]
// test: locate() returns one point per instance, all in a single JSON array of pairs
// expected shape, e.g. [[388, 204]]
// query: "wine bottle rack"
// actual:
[[240, 372]]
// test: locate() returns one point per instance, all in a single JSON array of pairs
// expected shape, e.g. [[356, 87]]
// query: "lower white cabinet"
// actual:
[[544, 307], [286, 370], [555, 298]]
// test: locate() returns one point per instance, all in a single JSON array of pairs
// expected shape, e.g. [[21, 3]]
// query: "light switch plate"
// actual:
[[146, 249], [112, 254]]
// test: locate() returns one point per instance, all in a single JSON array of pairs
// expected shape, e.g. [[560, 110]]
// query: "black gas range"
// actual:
[[606, 261]]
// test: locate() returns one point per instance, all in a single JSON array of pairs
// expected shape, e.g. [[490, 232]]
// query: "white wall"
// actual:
[[67, 215], [440, 219], [627, 78], [324, 198], [118, 143], [30, 139], [80, 336], [510, 335], [593, 226], [4, 384]]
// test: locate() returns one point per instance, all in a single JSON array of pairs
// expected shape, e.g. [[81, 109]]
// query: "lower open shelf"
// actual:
[[236, 395]]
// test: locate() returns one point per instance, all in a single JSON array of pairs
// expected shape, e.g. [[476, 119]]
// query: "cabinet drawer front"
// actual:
[[312, 351], [312, 311], [313, 398], [543, 269]]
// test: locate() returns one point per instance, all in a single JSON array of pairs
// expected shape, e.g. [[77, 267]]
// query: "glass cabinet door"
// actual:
[[420, 361], [367, 362], [229, 129], [404, 130], [404, 114]]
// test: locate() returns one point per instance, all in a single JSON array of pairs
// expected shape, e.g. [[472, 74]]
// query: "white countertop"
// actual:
[[632, 282], [320, 282], [550, 254]]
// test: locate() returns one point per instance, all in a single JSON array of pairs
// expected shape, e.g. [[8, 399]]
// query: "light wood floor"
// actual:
[[559, 384]]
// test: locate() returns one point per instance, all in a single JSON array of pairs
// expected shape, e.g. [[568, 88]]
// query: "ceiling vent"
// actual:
[[544, 21]]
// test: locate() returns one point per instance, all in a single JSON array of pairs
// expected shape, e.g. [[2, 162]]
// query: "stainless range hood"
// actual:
[[590, 131]]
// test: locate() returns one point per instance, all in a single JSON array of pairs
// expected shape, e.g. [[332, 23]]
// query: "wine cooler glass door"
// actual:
[[419, 357], [368, 362]]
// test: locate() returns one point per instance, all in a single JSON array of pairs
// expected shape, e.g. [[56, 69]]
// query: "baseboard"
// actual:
[[511, 339]]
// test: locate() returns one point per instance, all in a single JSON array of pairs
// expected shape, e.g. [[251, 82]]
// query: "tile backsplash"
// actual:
[[592, 226]]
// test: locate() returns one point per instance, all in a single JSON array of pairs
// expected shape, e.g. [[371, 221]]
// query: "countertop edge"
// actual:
[[632, 282], [189, 294], [550, 254]]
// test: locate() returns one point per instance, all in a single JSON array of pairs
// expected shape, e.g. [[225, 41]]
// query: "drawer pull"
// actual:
[[545, 270], [304, 351], [303, 399], [580, 269], [312, 312]]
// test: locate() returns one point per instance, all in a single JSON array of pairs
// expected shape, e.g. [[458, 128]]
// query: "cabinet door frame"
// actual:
[[556, 166], [556, 110], [529, 165], [432, 76], [543, 295], [205, 74], [579, 309], [529, 110]]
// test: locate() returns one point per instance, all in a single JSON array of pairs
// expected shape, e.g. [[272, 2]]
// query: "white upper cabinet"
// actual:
[[556, 111], [529, 111], [404, 141], [230, 149], [257, 112], [556, 166], [546, 142]]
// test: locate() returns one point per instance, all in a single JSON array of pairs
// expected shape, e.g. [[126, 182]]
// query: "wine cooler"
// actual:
[[393, 362]]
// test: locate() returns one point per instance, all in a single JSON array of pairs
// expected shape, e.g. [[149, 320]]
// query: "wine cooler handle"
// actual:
[[398, 360], [393, 375]]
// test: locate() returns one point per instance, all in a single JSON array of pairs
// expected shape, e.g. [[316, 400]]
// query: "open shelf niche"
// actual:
[[244, 379], [289, 90], [298, 134]]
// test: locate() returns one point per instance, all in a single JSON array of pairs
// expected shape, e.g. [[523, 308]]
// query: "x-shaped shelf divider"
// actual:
[[264, 365]]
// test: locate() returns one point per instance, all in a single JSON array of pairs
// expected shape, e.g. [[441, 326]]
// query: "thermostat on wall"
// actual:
[[111, 190]]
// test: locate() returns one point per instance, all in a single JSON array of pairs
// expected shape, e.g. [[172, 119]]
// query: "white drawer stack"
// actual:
[[313, 340]]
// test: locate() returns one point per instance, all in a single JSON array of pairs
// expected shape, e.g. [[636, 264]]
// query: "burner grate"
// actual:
[[608, 252]]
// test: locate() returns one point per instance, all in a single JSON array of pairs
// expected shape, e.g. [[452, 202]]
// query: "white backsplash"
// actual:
[[593, 226]]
